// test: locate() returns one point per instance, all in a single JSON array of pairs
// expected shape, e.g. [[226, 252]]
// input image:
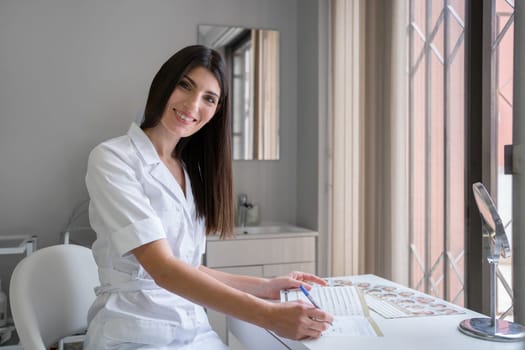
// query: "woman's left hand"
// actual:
[[293, 280]]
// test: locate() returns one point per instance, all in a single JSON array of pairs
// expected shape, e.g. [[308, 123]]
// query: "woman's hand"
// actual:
[[294, 279], [298, 320]]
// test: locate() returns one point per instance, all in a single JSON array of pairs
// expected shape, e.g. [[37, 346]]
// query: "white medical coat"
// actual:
[[134, 199]]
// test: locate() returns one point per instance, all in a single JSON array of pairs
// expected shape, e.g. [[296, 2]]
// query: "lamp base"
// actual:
[[495, 330]]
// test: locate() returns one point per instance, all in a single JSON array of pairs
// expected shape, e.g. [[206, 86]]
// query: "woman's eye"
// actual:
[[211, 99], [184, 85]]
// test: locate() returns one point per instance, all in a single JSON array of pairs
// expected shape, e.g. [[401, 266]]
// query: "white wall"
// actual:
[[74, 73]]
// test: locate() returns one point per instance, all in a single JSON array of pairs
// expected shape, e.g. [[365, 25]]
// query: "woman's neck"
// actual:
[[163, 141]]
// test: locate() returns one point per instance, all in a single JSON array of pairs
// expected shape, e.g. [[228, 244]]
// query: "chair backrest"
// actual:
[[51, 291]]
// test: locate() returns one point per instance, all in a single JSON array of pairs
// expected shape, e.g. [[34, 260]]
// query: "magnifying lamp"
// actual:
[[495, 246]]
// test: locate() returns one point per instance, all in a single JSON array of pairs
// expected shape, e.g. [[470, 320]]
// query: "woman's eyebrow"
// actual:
[[194, 84]]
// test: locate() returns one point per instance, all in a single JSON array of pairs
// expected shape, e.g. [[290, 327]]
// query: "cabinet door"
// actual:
[[247, 252], [275, 270], [256, 271]]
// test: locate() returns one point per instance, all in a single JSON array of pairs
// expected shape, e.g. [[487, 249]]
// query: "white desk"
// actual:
[[425, 332]]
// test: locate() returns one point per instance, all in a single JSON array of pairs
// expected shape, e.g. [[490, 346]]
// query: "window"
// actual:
[[411, 160], [438, 185], [437, 147]]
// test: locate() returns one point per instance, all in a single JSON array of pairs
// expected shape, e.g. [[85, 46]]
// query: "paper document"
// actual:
[[346, 304], [392, 301]]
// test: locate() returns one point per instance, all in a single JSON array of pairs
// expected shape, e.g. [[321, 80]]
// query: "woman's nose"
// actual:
[[192, 102]]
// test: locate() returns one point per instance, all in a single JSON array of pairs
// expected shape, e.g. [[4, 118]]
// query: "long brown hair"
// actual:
[[207, 154]]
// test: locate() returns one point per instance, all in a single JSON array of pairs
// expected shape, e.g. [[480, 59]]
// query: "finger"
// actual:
[[312, 329], [313, 278], [293, 274], [288, 283], [320, 316], [319, 327], [314, 333], [316, 329], [304, 276], [309, 335], [298, 275]]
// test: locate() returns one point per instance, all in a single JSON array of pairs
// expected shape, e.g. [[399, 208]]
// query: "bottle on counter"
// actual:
[[253, 216]]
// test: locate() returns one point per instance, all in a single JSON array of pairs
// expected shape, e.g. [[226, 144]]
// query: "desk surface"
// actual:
[[424, 332]]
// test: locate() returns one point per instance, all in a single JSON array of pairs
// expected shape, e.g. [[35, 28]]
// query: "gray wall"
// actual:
[[307, 120], [74, 73]]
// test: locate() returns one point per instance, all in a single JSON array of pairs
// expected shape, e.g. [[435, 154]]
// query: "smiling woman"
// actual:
[[155, 194]]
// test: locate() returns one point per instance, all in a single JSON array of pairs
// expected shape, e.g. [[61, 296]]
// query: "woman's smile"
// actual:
[[184, 118]]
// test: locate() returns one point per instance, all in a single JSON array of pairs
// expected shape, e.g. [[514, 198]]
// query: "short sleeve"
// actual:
[[119, 207]]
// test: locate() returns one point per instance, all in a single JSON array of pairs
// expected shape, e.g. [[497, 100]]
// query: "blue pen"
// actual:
[[305, 292]]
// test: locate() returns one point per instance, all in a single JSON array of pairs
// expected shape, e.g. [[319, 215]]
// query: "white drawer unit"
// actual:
[[261, 255], [260, 251]]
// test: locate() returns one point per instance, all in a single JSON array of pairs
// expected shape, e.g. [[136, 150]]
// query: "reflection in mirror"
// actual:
[[493, 229], [253, 59], [496, 245]]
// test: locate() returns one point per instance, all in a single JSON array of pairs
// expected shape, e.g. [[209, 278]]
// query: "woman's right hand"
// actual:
[[298, 320]]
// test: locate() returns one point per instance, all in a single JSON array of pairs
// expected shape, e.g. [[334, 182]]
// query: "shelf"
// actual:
[[12, 343], [17, 244], [10, 245]]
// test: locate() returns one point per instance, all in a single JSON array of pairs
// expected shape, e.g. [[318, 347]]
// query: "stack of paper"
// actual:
[[345, 303]]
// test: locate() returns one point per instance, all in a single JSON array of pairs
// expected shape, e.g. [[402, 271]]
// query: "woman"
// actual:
[[155, 194]]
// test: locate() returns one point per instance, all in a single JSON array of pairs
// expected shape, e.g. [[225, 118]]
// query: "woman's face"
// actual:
[[192, 104]]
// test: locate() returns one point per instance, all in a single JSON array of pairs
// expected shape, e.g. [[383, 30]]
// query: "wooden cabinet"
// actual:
[[262, 255]]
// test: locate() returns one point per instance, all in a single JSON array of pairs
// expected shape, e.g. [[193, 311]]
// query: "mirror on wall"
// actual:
[[252, 56]]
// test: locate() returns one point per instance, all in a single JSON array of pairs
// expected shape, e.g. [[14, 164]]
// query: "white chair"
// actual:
[[51, 291]]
